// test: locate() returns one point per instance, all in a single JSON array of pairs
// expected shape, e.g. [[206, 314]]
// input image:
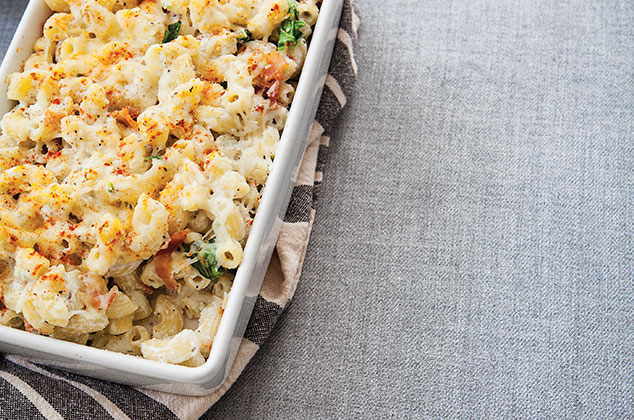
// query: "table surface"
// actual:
[[472, 255]]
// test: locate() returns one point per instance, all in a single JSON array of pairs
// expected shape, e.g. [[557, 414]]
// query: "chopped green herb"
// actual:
[[244, 36], [80, 75], [110, 188], [289, 31], [149, 158], [172, 32], [207, 263]]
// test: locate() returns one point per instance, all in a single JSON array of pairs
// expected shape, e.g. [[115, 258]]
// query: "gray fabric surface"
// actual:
[[472, 255]]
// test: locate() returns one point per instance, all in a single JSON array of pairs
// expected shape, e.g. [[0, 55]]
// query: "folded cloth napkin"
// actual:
[[31, 391]]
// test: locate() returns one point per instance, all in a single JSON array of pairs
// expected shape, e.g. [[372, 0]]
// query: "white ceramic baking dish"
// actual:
[[208, 377]]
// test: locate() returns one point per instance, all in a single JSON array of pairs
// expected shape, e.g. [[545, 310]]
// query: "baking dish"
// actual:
[[259, 247]]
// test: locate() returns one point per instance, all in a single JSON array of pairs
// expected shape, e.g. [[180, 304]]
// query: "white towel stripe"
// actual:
[[347, 41], [38, 401], [356, 22], [317, 127], [336, 90], [110, 407]]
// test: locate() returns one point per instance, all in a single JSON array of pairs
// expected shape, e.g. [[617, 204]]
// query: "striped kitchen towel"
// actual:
[[33, 391]]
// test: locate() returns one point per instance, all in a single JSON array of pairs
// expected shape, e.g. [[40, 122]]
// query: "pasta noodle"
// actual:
[[132, 165]]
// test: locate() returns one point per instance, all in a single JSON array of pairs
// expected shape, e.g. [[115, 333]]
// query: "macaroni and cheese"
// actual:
[[132, 166]]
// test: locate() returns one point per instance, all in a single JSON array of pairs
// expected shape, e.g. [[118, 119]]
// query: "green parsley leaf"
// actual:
[[207, 263], [149, 158], [172, 32], [289, 32], [110, 188], [243, 37]]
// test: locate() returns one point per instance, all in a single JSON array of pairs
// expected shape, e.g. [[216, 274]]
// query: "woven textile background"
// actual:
[[473, 249], [29, 390], [472, 252]]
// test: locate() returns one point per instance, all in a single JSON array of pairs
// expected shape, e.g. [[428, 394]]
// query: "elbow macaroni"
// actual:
[[121, 148]]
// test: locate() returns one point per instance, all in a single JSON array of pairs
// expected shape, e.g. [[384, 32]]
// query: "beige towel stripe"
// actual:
[[344, 37], [107, 405], [186, 407], [306, 174], [334, 87], [38, 401], [291, 248]]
